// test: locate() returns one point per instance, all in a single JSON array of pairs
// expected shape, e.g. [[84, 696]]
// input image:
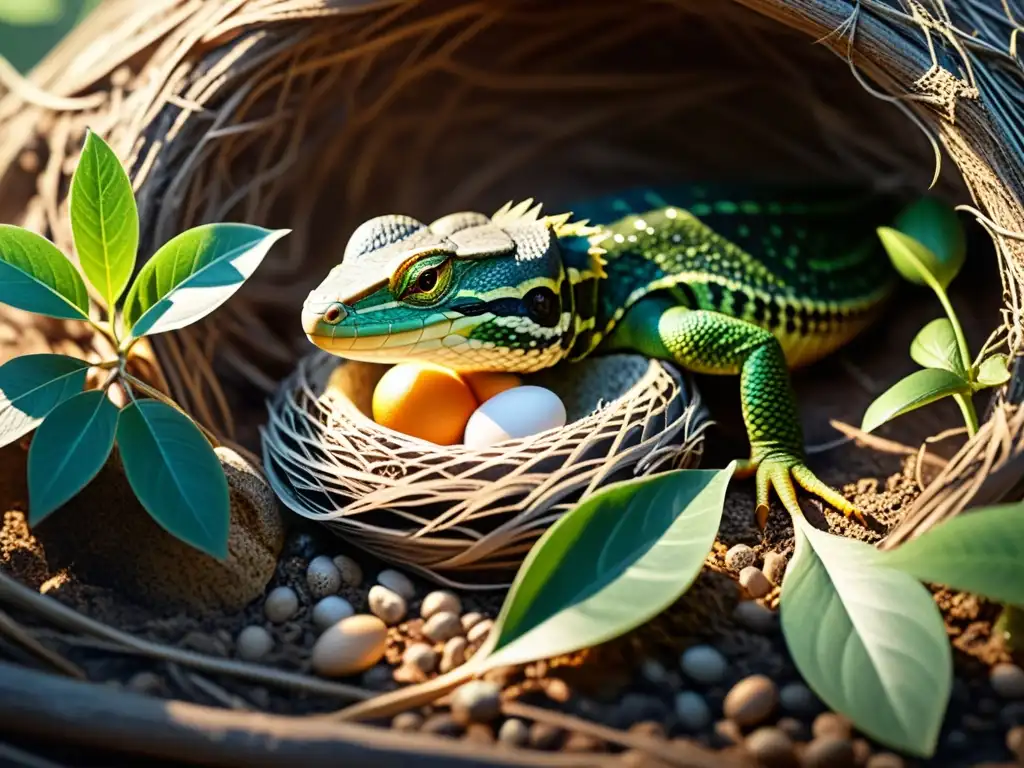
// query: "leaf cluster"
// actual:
[[927, 247], [169, 461]]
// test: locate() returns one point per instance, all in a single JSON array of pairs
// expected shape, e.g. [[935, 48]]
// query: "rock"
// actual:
[[407, 721], [798, 699], [397, 582], [1007, 680], [478, 701], [726, 734], [556, 689], [323, 577], [740, 556], [1015, 742], [654, 672], [421, 656], [454, 654], [479, 630], [751, 700], [796, 730], [479, 733], [387, 605], [514, 732], [885, 760], [830, 724], [861, 751], [351, 573], [771, 747], [755, 582], [105, 538], [281, 604], [693, 712], [774, 567], [441, 725], [704, 664], [148, 683], [331, 610], [440, 601], [829, 752], [379, 678], [581, 743], [957, 740], [350, 646], [470, 620], [442, 626], [546, 737], [254, 642], [635, 708], [754, 616]]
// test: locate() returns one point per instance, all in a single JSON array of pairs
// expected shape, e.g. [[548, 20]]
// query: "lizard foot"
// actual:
[[778, 471]]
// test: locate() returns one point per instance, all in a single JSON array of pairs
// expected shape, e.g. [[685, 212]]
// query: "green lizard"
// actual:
[[717, 282]]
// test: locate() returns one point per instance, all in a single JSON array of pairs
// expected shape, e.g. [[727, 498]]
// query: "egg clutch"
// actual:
[[443, 407]]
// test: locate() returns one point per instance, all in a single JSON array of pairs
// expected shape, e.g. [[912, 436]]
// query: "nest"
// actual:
[[451, 512]]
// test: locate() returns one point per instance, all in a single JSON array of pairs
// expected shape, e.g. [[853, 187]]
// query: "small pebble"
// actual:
[[470, 620], [387, 605], [704, 664], [654, 672], [754, 616], [352, 645], [751, 700], [774, 567], [957, 740], [635, 708], [693, 712], [829, 752], [480, 630], [830, 724], [650, 729], [771, 747], [441, 724], [1015, 741], [323, 577], [454, 654], [440, 601], [798, 699], [477, 701], [861, 751], [581, 743], [755, 582], [331, 610], [421, 656], [254, 642], [144, 682], [407, 721], [1007, 680], [397, 582], [442, 626], [514, 732], [379, 678], [726, 734], [479, 733], [546, 737], [884, 760], [796, 730], [281, 604], [351, 573], [556, 689], [739, 556]]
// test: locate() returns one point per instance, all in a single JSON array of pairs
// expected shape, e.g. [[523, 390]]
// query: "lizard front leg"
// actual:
[[714, 343]]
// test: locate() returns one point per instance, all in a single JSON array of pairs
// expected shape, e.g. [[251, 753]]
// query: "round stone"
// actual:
[[480, 630], [407, 721], [441, 724], [421, 656], [829, 752], [1015, 741], [397, 582], [693, 711], [351, 573], [281, 604], [754, 616], [739, 556], [478, 701], [442, 626], [751, 700], [774, 567], [387, 605], [635, 708], [1007, 680], [254, 643], [755, 582], [454, 654], [331, 610], [350, 646], [470, 620], [771, 747], [798, 699], [514, 732], [545, 736], [323, 577], [145, 683], [830, 724], [654, 672], [704, 664], [885, 760], [440, 601]]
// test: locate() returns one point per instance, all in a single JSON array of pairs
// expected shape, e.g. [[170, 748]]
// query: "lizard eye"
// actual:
[[542, 306], [425, 284], [427, 280]]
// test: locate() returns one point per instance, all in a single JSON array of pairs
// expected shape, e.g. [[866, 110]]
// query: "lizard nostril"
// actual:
[[334, 314]]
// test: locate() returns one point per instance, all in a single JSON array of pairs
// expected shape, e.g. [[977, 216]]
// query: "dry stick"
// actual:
[[24, 638], [17, 594], [881, 444]]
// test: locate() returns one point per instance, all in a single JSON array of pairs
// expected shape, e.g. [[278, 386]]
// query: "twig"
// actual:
[[22, 636], [881, 444]]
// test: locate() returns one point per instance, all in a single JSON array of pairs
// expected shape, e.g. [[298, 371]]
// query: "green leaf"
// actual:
[[610, 564], [175, 474], [937, 230], [868, 640], [193, 274], [31, 13], [993, 371], [104, 219], [915, 391], [31, 386], [935, 346], [36, 277], [979, 551], [68, 451]]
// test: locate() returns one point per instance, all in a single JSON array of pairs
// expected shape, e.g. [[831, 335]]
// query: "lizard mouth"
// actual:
[[387, 342]]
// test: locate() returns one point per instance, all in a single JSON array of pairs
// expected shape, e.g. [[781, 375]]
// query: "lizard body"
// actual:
[[716, 281]]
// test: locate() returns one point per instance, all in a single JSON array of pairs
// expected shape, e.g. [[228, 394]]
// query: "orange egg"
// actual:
[[424, 401], [486, 385]]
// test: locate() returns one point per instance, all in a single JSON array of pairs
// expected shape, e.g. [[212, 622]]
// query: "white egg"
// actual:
[[512, 414]]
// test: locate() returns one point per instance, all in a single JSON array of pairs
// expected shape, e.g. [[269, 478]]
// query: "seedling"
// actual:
[[927, 247], [168, 458]]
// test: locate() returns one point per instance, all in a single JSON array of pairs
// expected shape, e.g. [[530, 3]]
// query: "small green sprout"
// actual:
[[168, 459], [927, 247]]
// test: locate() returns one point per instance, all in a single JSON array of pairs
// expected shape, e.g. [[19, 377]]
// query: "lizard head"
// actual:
[[468, 291]]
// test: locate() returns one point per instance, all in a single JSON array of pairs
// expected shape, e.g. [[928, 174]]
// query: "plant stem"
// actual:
[[970, 415], [961, 340], [158, 395]]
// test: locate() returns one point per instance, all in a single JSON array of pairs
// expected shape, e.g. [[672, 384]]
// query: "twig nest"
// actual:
[[443, 511], [254, 642], [281, 604], [389, 606], [323, 577], [330, 610], [352, 645]]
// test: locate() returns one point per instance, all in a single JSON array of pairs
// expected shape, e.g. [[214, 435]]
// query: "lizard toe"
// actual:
[[810, 483]]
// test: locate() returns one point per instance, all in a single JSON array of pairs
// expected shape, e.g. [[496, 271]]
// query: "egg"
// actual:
[[424, 401], [486, 384], [514, 413]]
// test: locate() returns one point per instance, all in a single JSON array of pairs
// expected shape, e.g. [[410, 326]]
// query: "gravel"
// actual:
[[1007, 680], [386, 604], [351, 572], [692, 711], [478, 701], [514, 732], [751, 700], [754, 616], [479, 630], [397, 582], [771, 747], [454, 654], [421, 656], [254, 642], [774, 567], [323, 577], [739, 556], [704, 664], [829, 752], [798, 699], [331, 610], [281, 604], [755, 582], [442, 626], [440, 601]]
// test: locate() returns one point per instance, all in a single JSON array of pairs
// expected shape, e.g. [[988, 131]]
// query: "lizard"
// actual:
[[754, 283]]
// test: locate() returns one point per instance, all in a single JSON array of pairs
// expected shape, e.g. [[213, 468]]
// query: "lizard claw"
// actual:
[[778, 471]]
